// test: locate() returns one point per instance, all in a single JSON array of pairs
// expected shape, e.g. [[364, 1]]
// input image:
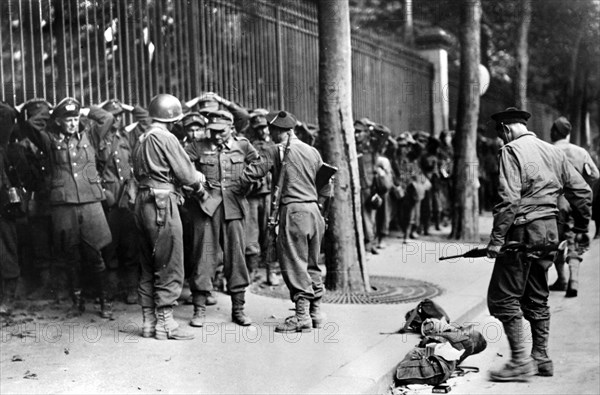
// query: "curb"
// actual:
[[373, 372]]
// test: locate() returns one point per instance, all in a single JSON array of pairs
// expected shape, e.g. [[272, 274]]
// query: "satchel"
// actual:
[[427, 308], [421, 366]]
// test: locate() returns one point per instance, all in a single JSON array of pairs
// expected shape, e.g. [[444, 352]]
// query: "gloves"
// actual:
[[493, 251]]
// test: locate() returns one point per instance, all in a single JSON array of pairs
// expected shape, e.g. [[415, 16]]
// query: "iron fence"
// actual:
[[259, 54]]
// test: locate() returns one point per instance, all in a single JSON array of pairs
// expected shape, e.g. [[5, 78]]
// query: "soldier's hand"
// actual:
[[84, 111], [127, 107], [493, 251]]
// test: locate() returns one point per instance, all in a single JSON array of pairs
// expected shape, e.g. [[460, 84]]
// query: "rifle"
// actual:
[[275, 204], [511, 247]]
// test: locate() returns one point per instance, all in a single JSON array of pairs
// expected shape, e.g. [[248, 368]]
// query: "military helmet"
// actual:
[[165, 108]]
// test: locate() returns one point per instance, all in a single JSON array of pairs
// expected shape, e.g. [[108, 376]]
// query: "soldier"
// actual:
[[301, 225], [115, 165], [79, 225], [35, 114], [259, 202], [382, 179], [194, 126], [219, 218], [161, 165], [370, 200], [9, 264], [532, 176], [583, 163]]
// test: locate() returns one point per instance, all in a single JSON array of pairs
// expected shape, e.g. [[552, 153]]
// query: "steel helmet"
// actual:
[[165, 108]]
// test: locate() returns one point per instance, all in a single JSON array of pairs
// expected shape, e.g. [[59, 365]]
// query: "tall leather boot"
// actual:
[[561, 282], [540, 330], [44, 291], [9, 289], [238, 316], [132, 285], [301, 322], [105, 300], [573, 286], [315, 313], [521, 366], [199, 301], [149, 322], [167, 327], [78, 306]]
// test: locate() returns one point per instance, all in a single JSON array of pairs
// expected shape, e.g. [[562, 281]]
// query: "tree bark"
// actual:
[[465, 222], [345, 260], [522, 54]]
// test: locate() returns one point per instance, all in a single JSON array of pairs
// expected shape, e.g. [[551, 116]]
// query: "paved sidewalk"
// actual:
[[352, 353]]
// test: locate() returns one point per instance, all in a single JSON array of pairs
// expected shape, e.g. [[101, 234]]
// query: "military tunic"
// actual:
[[160, 165], [9, 264], [533, 174], [219, 219]]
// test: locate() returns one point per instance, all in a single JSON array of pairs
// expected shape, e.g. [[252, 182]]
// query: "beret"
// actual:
[[511, 115], [562, 126], [281, 119], [114, 107], [67, 107]]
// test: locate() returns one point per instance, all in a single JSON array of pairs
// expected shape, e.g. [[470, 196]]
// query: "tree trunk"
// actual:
[[522, 54], [465, 222], [346, 269]]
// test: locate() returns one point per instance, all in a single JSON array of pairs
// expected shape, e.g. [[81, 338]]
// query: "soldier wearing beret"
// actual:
[[301, 225], [583, 163], [161, 166], [115, 165], [259, 201], [533, 174], [80, 229], [219, 217]]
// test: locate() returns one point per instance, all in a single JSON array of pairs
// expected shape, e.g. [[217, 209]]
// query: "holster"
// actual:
[[161, 201]]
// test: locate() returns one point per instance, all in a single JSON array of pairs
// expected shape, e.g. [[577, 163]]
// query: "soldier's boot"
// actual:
[[413, 232], [132, 285], [300, 322], [238, 299], [199, 300], [9, 289], [210, 299], [149, 322], [103, 287], [540, 330], [573, 287], [78, 306], [167, 328], [561, 282], [44, 291], [315, 313], [521, 366]]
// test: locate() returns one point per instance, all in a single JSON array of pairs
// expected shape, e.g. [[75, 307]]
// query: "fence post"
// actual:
[[279, 59]]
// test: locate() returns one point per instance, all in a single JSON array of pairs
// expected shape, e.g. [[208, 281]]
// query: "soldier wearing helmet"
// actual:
[[161, 165]]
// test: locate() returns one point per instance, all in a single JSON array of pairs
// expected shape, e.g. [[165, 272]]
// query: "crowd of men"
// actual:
[[185, 193]]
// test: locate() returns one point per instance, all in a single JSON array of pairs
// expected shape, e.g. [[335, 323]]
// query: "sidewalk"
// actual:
[[348, 355]]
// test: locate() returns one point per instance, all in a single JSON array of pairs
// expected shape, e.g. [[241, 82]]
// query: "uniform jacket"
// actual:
[[159, 160], [115, 162], [264, 186], [223, 170], [580, 159], [74, 177], [533, 174]]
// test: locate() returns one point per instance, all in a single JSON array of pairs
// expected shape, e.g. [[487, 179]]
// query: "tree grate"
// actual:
[[386, 290]]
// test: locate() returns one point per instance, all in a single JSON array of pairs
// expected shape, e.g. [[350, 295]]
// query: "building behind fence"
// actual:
[[260, 53]]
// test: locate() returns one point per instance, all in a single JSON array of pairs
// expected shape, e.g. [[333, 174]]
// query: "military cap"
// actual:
[[258, 117], [36, 106], [382, 130], [405, 138], [422, 135], [219, 120], [207, 106], [562, 126], [511, 115], [363, 124], [67, 107], [114, 107], [193, 118], [281, 120]]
